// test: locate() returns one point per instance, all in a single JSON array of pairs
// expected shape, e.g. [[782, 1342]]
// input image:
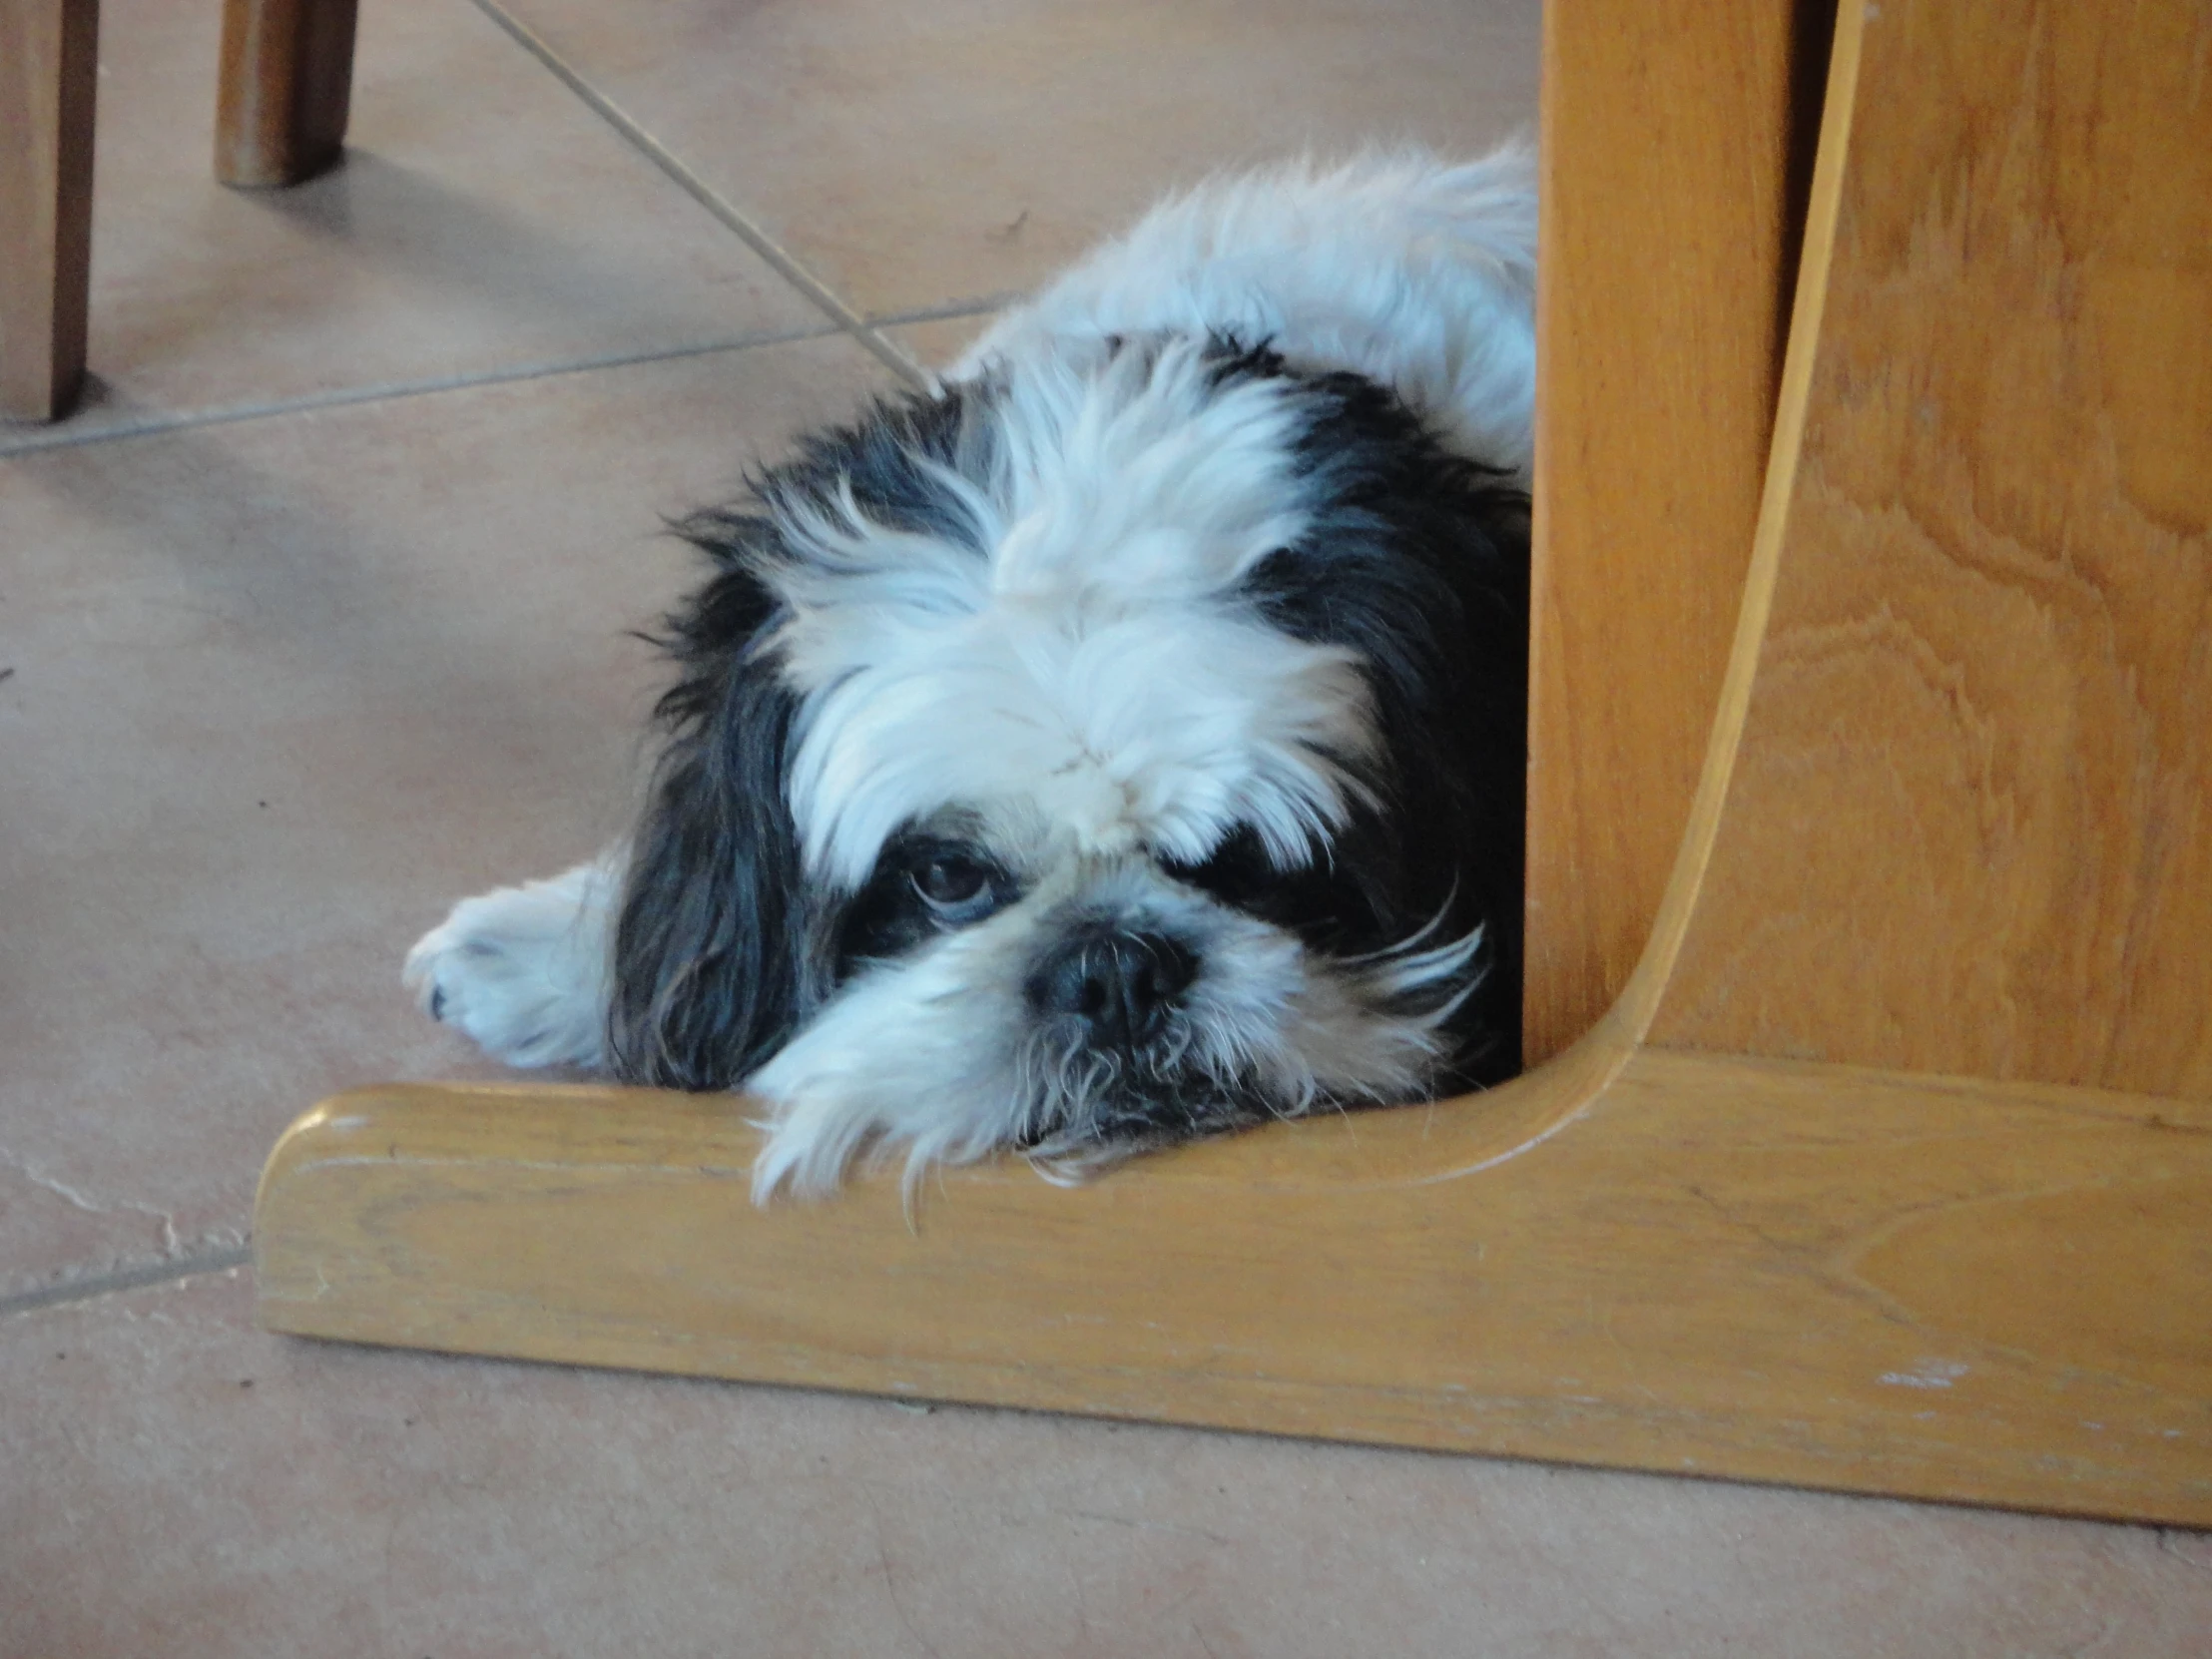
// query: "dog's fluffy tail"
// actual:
[[1410, 270]]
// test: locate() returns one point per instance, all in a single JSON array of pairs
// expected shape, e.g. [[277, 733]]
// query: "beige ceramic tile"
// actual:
[[914, 154], [483, 219], [282, 689], [179, 1483]]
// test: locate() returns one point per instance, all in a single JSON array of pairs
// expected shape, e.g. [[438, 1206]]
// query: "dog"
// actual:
[[1121, 742]]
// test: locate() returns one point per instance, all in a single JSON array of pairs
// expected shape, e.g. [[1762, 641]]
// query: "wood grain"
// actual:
[[286, 89], [49, 75], [1969, 828], [1722, 1267], [1676, 148]]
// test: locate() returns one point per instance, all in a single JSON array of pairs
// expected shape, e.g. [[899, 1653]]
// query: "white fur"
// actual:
[[1418, 275], [524, 970], [960, 1080], [1088, 684], [1110, 675], [1121, 693]]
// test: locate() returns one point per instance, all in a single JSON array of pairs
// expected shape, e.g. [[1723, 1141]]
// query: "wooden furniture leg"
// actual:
[[287, 79], [1677, 151], [49, 72], [1891, 1167]]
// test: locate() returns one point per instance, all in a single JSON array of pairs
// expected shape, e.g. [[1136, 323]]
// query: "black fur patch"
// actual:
[[1417, 561], [889, 916], [894, 458], [714, 955], [721, 954]]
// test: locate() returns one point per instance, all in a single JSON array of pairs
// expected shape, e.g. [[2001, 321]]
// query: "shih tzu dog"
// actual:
[[1119, 743]]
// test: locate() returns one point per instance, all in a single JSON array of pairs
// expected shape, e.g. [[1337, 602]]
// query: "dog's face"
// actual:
[[1088, 756]]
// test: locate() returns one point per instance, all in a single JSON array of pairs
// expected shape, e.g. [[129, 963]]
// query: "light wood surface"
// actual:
[[49, 74], [286, 88], [1971, 829], [1990, 1289], [1721, 1267], [1676, 148]]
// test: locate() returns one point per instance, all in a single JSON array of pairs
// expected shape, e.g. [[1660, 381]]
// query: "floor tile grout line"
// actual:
[[920, 374], [39, 440], [386, 390], [903, 363], [952, 309], [779, 258], [127, 1278]]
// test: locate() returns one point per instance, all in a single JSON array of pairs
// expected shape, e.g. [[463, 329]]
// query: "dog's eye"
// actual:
[[921, 889], [953, 885]]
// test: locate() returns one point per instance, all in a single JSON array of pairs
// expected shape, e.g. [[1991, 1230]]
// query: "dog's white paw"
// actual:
[[523, 970]]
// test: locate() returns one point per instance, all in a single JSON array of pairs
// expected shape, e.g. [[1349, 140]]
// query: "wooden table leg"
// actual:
[[49, 68], [288, 70], [1677, 151]]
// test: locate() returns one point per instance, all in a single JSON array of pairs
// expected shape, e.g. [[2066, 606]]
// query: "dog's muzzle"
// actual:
[[1120, 985]]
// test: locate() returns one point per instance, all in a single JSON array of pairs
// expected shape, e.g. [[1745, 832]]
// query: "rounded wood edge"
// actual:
[[584, 1125], [244, 167], [1636, 1007], [1429, 1317], [1638, 1004]]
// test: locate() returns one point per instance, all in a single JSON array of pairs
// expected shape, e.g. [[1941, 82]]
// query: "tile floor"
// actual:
[[315, 619]]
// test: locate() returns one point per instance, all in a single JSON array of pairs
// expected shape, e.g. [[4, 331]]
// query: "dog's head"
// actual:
[[1085, 757]]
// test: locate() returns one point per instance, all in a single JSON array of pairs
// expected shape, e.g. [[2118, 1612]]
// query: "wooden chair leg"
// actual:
[[49, 68], [288, 71]]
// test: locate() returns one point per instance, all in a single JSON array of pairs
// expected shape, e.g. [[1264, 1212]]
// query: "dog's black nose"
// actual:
[[1122, 985]]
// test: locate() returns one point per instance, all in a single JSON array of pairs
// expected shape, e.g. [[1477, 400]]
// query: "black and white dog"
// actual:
[[1120, 743]]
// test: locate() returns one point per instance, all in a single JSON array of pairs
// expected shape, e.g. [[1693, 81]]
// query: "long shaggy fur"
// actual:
[[1121, 742]]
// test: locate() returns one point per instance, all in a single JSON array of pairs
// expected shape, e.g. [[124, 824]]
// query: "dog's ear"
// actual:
[[715, 949], [1416, 560]]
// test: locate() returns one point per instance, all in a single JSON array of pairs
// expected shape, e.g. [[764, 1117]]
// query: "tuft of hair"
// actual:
[[714, 963], [722, 947]]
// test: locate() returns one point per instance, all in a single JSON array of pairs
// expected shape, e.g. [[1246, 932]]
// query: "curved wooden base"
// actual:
[[1710, 1266], [1979, 593]]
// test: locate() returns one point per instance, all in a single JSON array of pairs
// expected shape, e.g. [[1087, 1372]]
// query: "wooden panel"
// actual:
[[49, 73], [286, 89], [1675, 143], [1971, 824], [1720, 1267]]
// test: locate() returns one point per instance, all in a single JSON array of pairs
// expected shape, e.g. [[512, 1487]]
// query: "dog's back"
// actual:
[[1413, 272]]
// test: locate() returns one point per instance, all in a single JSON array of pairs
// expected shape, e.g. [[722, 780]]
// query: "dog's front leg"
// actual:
[[524, 970]]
